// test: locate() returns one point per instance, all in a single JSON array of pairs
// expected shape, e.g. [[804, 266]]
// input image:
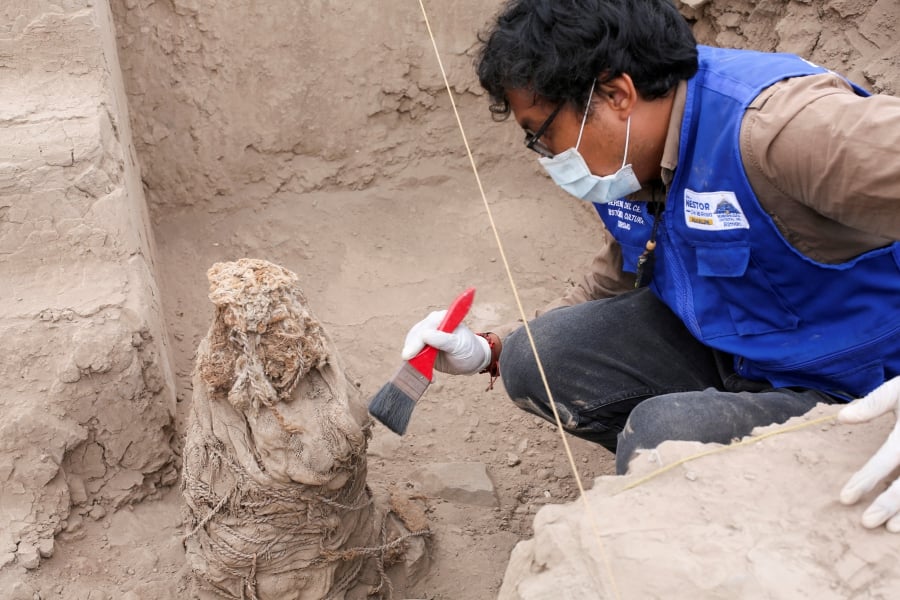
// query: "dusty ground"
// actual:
[[367, 289], [375, 257], [364, 287]]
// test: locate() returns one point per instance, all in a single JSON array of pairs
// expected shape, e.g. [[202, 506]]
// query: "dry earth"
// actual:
[[345, 165]]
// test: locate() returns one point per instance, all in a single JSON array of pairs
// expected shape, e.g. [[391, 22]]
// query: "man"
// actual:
[[749, 268]]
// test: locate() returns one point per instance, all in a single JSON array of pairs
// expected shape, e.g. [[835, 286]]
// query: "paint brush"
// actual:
[[395, 401]]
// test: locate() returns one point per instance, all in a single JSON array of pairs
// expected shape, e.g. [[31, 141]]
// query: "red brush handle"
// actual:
[[423, 362]]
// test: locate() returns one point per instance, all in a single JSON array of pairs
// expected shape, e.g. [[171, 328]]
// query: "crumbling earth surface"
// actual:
[[339, 158]]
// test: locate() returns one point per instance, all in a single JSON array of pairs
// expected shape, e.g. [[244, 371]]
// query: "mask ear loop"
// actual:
[[584, 118], [627, 136]]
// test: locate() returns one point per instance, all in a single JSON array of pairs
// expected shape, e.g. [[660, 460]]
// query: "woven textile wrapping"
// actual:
[[274, 476]]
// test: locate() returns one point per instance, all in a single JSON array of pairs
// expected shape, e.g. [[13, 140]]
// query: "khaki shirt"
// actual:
[[824, 163]]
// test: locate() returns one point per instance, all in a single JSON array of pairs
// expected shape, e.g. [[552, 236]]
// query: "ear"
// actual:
[[619, 94]]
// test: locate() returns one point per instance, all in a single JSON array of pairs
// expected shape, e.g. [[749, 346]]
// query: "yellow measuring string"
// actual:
[[594, 526], [744, 442]]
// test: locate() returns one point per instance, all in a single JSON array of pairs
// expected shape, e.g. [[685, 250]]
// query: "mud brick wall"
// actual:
[[86, 393]]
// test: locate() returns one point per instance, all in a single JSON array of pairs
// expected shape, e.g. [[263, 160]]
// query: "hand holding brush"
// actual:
[[462, 352], [439, 341]]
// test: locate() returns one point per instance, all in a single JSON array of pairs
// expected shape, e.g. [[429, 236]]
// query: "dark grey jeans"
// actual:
[[627, 374]]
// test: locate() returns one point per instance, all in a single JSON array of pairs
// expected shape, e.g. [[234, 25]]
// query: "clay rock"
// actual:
[[465, 483], [753, 521]]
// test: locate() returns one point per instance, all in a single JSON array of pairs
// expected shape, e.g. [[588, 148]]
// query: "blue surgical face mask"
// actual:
[[569, 171]]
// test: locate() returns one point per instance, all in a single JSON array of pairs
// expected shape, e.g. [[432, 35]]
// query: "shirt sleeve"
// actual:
[[816, 142]]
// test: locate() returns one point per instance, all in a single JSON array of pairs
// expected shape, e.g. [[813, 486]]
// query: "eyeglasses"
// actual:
[[532, 138]]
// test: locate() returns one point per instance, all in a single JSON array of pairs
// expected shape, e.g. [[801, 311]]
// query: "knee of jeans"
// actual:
[[642, 416], [677, 416], [657, 419], [648, 425]]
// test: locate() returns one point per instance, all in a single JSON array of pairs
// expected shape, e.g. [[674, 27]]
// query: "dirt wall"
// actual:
[[857, 38], [316, 134], [235, 101], [87, 393]]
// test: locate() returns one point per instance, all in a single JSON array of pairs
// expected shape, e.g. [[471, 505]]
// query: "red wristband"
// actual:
[[493, 367]]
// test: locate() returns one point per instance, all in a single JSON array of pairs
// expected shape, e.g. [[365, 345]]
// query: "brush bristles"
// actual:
[[392, 407], [395, 401]]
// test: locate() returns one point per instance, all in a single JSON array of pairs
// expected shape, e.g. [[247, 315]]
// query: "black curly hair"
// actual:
[[556, 48]]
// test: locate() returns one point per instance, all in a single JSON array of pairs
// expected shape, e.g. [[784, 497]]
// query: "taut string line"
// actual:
[[559, 426], [744, 442]]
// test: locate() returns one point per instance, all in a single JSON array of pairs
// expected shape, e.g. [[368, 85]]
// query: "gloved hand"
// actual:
[[886, 507], [461, 352]]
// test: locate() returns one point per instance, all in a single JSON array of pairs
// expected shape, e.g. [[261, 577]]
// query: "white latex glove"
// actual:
[[461, 352], [886, 507]]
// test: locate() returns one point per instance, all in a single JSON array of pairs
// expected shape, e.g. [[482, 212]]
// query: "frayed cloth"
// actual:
[[274, 476]]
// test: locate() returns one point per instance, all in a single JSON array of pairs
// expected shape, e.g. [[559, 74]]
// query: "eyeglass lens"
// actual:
[[532, 140]]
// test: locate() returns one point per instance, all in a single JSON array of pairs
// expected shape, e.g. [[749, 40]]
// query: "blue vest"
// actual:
[[724, 268]]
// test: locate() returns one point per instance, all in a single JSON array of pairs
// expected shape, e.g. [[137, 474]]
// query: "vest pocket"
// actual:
[[731, 279]]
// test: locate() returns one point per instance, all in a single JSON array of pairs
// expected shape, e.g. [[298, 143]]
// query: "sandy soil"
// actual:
[[373, 259], [457, 420], [367, 289]]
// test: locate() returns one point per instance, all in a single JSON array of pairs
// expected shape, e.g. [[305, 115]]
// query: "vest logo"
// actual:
[[713, 211], [724, 207]]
